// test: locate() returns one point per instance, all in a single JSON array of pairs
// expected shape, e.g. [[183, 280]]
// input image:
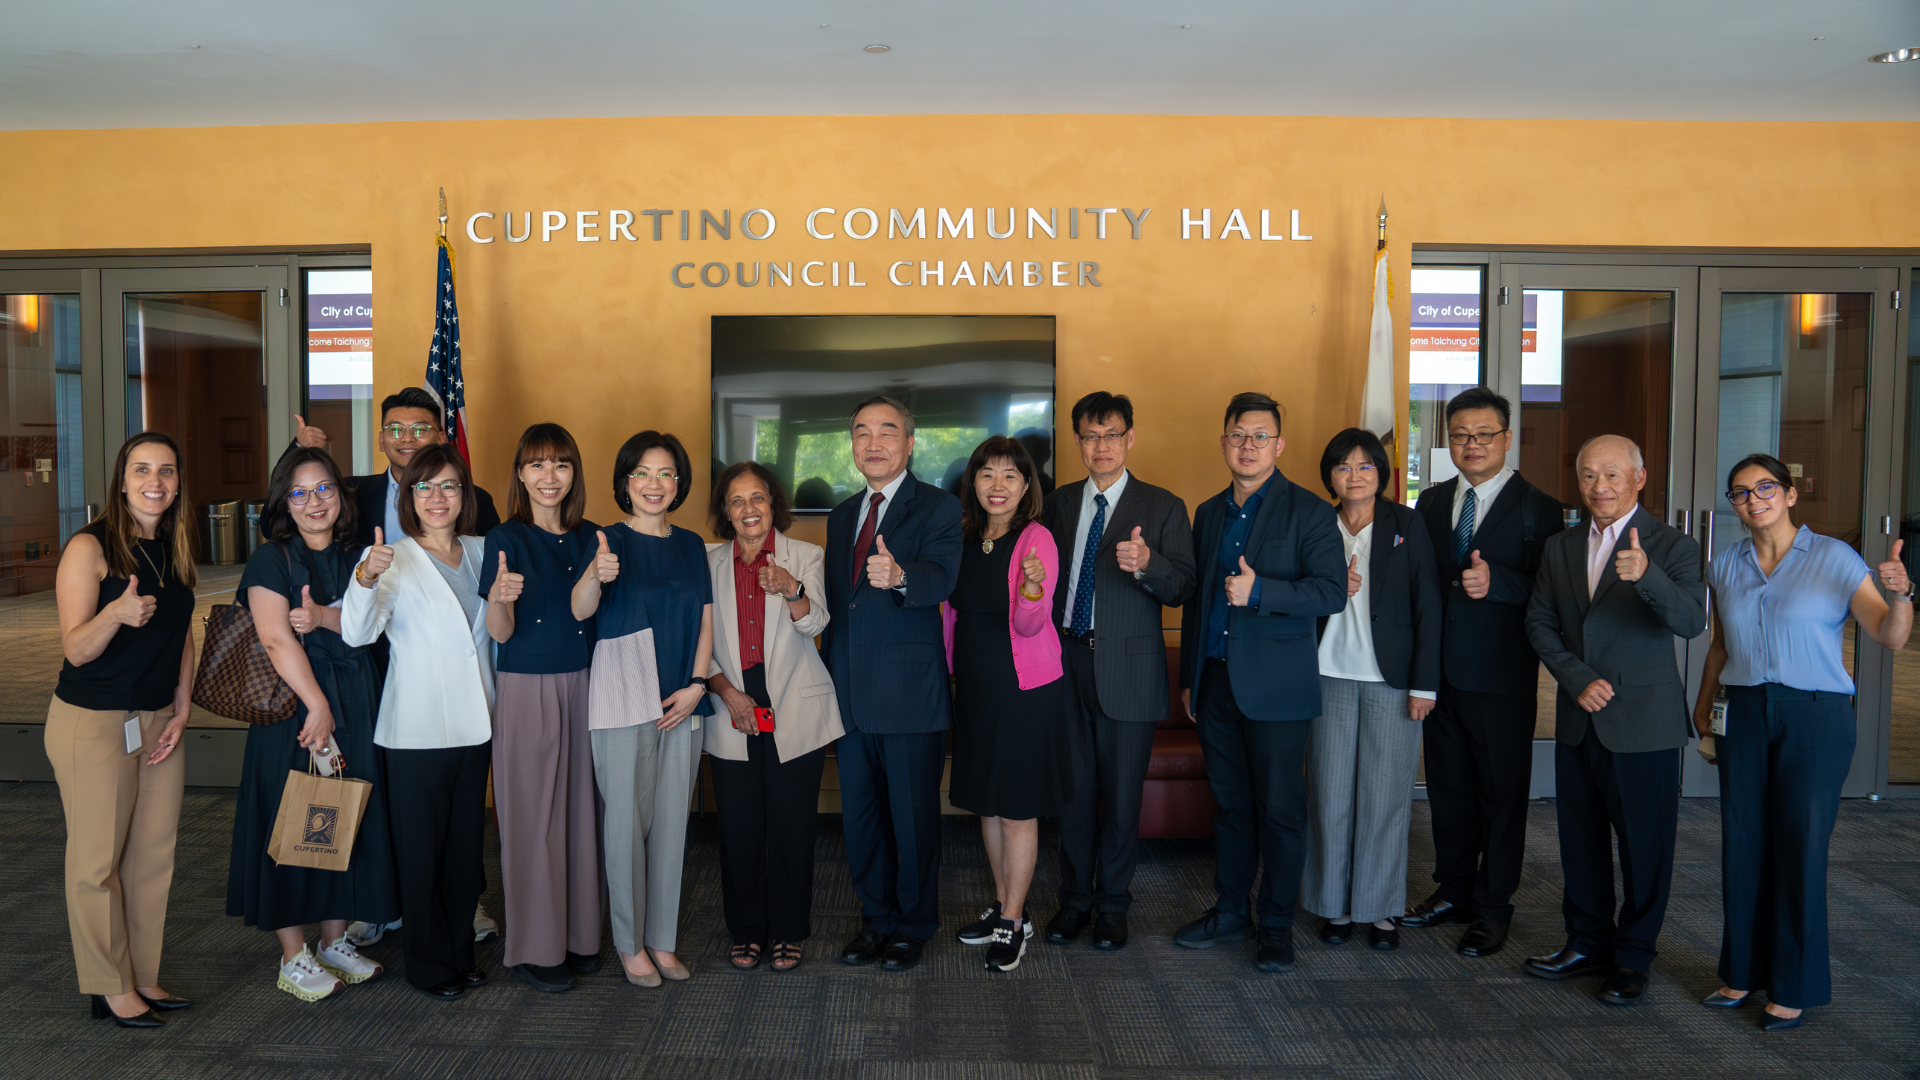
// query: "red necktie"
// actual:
[[865, 544]]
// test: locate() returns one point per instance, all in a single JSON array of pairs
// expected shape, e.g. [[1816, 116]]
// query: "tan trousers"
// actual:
[[123, 817]]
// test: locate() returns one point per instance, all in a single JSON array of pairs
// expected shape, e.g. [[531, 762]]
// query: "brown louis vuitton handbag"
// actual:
[[236, 679]]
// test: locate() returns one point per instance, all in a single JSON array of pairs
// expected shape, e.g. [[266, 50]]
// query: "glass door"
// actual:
[[1790, 360]]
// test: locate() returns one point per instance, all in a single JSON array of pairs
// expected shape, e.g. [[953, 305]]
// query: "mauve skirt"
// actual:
[[549, 811]]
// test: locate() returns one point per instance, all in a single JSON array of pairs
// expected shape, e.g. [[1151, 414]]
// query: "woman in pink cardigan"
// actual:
[[1010, 761]]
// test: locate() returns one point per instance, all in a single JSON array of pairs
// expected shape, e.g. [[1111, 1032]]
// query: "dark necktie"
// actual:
[[864, 545], [1463, 532], [1083, 589]]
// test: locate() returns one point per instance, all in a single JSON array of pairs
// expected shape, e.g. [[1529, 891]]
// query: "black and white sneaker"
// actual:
[[981, 932], [1008, 946]]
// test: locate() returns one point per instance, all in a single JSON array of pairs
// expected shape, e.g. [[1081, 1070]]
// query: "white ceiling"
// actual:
[[141, 63]]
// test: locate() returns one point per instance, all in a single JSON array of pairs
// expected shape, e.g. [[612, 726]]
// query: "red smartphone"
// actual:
[[764, 717]]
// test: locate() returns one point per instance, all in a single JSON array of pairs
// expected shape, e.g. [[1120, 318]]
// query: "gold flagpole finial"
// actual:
[[1383, 217], [443, 213]]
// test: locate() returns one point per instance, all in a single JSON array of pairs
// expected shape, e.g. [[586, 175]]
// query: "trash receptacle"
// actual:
[[223, 533], [255, 509]]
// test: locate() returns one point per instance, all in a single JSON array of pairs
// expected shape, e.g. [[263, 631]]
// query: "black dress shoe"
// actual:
[[556, 979], [446, 991], [1275, 952], [1334, 933], [1768, 1021], [1385, 940], [1484, 938], [1717, 1000], [1066, 924], [1568, 963], [902, 952], [148, 1019], [166, 1004], [1434, 911], [1624, 986], [583, 963], [865, 948], [1213, 927], [472, 977], [1110, 931]]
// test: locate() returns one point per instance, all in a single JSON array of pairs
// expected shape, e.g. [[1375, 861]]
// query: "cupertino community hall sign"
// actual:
[[864, 223]]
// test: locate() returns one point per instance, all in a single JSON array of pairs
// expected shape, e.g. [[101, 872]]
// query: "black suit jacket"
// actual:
[[1483, 646], [1129, 649], [885, 647], [1294, 548], [370, 505], [1403, 595], [1623, 634]]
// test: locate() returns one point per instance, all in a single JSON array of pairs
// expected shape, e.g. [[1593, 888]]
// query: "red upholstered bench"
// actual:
[[1176, 802]]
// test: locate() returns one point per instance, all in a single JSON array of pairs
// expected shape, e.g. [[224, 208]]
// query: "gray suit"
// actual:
[[1618, 770], [1116, 678]]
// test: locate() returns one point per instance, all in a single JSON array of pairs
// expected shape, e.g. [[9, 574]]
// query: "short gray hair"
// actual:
[[881, 399], [1633, 450]]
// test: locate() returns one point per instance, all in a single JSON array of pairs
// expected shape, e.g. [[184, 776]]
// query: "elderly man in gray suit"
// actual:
[[1606, 608]]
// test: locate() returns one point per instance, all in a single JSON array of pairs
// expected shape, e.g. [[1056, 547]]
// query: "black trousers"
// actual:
[[1479, 752], [437, 802], [1257, 770], [1604, 797], [1109, 759], [1782, 762], [767, 810]]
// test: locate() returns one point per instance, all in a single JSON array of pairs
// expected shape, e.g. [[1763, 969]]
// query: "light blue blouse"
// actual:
[[1786, 629]]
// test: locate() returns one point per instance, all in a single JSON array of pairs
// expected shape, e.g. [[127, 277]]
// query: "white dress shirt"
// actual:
[[1087, 508], [1483, 496], [886, 500], [1600, 544]]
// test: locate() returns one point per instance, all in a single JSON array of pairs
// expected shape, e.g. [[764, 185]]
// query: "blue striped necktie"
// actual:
[[1083, 589], [1463, 532]]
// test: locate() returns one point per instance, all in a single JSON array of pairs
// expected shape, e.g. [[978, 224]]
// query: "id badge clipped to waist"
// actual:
[[1718, 725], [132, 730]]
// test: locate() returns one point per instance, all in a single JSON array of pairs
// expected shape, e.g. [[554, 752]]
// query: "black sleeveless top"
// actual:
[[140, 668]]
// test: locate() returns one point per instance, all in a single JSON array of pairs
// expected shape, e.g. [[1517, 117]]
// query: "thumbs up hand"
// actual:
[[1354, 580], [1031, 566], [882, 571], [1631, 563], [1132, 553], [1240, 585], [132, 609], [379, 558], [307, 435], [506, 584], [304, 618], [1893, 573], [1477, 578], [606, 565]]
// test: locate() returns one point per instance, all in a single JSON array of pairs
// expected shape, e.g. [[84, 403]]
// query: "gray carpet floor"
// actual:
[[1150, 1011]]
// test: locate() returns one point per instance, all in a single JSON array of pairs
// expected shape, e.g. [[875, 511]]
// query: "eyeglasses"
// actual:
[[1479, 438], [426, 489], [415, 431], [1260, 440], [1343, 471], [1107, 441], [1766, 489], [323, 491], [668, 475]]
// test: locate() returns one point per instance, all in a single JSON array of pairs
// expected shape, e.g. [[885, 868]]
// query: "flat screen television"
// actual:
[[783, 386]]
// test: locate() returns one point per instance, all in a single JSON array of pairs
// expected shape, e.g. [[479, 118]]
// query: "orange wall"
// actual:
[[593, 334]]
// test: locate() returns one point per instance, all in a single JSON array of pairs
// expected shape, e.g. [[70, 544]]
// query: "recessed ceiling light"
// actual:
[[879, 48], [1186, 26], [1897, 56], [1822, 37], [824, 26]]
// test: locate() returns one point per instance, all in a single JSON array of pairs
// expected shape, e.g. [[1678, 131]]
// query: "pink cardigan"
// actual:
[[1036, 644]]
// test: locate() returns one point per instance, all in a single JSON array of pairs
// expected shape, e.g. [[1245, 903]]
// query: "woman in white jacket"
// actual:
[[435, 728]]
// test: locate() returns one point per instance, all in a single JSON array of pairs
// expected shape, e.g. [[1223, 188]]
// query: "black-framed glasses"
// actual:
[[416, 431], [427, 488], [1109, 441], [1260, 440], [324, 491], [1479, 438], [1766, 489]]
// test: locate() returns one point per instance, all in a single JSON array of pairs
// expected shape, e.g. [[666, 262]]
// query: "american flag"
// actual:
[[444, 379]]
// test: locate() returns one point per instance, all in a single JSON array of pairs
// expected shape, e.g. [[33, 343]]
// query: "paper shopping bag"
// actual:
[[318, 819]]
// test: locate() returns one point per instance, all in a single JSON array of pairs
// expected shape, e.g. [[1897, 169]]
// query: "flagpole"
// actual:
[[443, 216]]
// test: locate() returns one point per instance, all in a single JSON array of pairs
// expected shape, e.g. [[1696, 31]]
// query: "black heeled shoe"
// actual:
[[103, 1011], [169, 1003], [1718, 1000], [1770, 1022]]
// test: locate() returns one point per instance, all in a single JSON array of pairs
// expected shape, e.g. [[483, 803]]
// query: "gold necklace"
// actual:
[[156, 569]]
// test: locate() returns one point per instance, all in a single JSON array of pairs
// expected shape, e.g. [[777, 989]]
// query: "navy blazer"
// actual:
[[884, 646], [1272, 654], [1484, 647]]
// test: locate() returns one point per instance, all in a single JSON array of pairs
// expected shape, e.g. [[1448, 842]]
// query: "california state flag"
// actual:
[[1377, 404]]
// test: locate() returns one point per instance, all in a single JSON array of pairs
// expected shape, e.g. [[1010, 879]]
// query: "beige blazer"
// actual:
[[806, 715]]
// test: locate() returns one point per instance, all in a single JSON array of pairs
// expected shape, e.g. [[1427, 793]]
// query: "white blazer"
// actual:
[[439, 690], [806, 714]]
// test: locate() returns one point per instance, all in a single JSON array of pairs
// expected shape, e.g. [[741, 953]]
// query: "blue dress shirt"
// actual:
[[1233, 544], [1786, 628]]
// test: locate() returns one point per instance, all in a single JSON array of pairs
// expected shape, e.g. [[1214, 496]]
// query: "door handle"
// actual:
[[1686, 521]]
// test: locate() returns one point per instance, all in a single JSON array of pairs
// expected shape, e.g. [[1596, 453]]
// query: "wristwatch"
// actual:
[[798, 593], [702, 680]]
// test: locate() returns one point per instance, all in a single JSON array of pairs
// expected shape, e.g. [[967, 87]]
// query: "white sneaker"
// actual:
[[304, 978], [483, 926], [344, 960], [362, 934]]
